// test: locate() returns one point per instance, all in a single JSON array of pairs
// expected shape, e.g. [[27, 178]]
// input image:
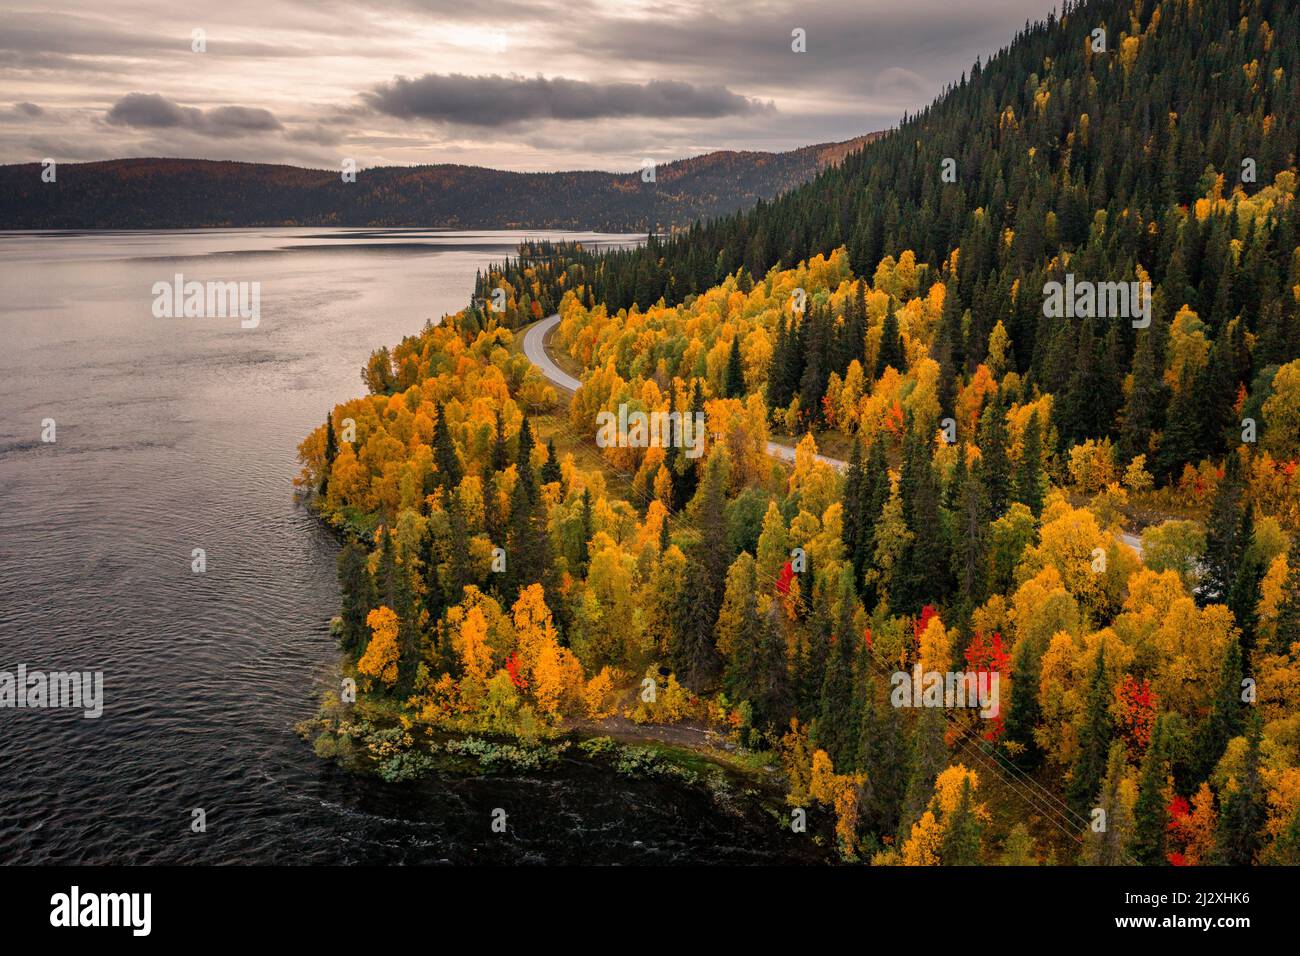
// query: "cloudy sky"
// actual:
[[512, 84]]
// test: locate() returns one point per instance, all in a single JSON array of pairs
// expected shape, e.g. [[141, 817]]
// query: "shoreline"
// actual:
[[379, 740]]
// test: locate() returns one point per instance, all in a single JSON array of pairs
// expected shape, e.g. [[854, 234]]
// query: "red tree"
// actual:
[[1137, 713], [986, 656]]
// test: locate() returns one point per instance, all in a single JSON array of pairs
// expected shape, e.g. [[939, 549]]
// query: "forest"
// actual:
[[190, 193], [1106, 518]]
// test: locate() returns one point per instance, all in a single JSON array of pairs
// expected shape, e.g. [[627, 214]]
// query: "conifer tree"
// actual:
[[1029, 485], [891, 346], [444, 454], [1227, 712], [500, 458], [816, 351], [529, 551], [778, 391], [695, 655], [738, 624], [1150, 815], [357, 597], [1179, 444], [873, 494], [733, 383], [459, 574], [952, 488], [962, 833], [772, 673], [1244, 808], [434, 598], [1144, 409], [839, 720], [1094, 738], [386, 572], [814, 657], [331, 452], [994, 460], [1287, 626], [1224, 545], [1244, 595], [1107, 835], [524, 455], [970, 558], [883, 755], [926, 570], [551, 470], [584, 554], [929, 757], [1025, 712], [851, 527]]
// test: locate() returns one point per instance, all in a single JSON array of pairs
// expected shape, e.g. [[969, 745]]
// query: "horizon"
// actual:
[[419, 165]]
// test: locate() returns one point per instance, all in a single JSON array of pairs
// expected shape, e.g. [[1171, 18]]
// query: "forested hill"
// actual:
[[1120, 141], [184, 193], [999, 453], [1045, 135]]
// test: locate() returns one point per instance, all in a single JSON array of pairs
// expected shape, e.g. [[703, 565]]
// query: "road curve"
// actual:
[[535, 350]]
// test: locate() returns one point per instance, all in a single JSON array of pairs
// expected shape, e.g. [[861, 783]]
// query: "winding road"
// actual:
[[535, 350]]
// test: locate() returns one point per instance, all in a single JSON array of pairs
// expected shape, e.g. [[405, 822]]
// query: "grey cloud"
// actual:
[[70, 40], [68, 149], [240, 118], [317, 134], [152, 111], [502, 100], [70, 34], [498, 11], [28, 109], [182, 143], [847, 40]]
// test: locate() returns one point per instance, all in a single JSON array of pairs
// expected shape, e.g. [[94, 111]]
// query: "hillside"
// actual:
[[1167, 156], [998, 451], [185, 193]]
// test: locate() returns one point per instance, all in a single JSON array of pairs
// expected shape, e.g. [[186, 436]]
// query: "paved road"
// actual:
[[535, 350]]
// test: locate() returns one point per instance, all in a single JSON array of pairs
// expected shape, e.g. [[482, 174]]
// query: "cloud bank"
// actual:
[[152, 111], [501, 100]]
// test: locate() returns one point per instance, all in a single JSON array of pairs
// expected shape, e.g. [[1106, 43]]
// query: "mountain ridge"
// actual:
[[165, 192]]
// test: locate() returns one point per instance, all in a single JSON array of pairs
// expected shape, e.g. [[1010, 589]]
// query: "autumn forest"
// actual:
[[977, 583]]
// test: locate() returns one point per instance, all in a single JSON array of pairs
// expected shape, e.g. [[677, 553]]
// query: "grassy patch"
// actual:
[[563, 359], [832, 444], [554, 426]]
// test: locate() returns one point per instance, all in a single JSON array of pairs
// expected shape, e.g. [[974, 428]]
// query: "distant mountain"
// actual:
[[189, 193]]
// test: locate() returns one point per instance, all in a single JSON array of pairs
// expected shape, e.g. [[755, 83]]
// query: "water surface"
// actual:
[[175, 434]]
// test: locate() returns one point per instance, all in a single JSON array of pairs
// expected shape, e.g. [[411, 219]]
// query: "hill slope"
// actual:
[[183, 193], [1169, 154]]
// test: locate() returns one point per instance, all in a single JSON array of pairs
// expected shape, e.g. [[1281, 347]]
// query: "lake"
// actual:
[[176, 434]]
